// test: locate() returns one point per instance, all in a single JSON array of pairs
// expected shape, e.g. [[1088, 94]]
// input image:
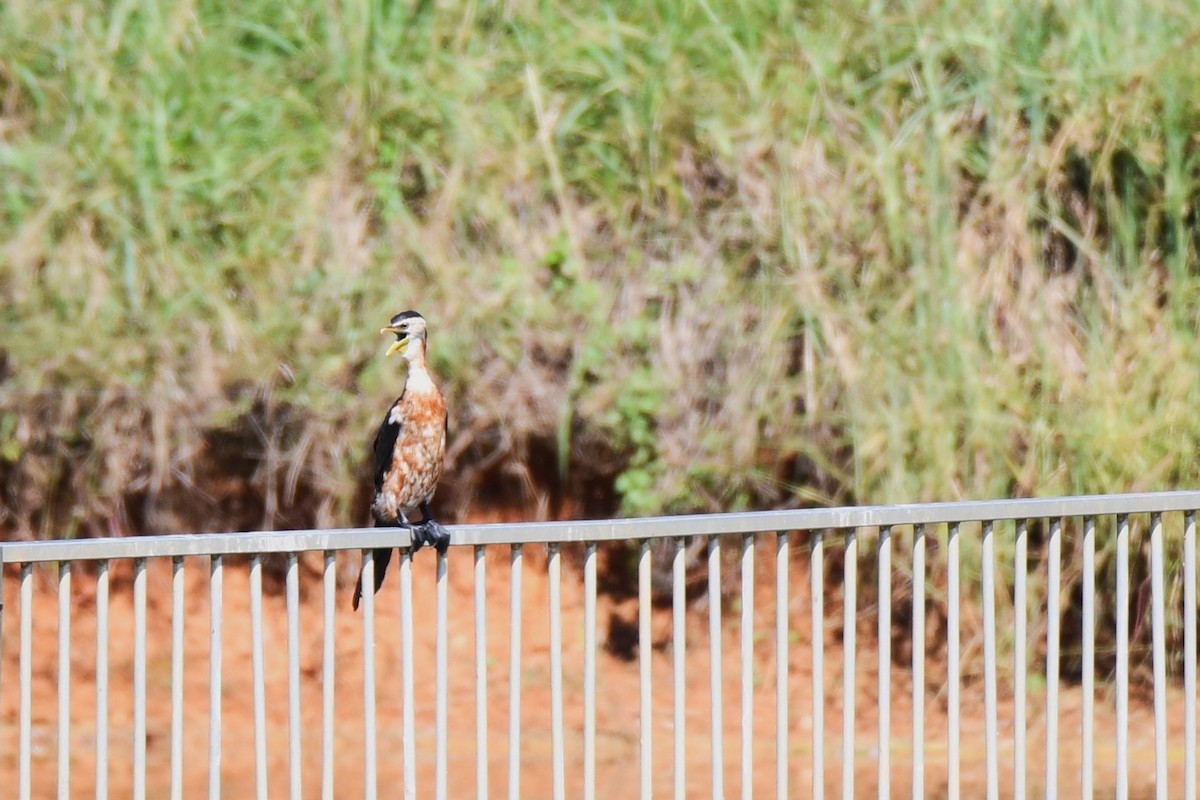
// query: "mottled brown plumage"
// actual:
[[409, 449], [415, 462]]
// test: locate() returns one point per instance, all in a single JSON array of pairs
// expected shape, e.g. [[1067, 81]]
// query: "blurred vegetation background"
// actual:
[[675, 256]]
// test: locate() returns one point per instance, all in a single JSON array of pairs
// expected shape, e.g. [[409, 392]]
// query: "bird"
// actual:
[[409, 449]]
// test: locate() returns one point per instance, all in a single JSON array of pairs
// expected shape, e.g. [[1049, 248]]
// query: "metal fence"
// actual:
[[806, 765]]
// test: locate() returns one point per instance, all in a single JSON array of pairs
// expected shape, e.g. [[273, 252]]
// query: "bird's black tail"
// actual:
[[381, 558]]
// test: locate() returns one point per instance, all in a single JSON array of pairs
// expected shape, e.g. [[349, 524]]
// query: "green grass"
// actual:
[[719, 254]]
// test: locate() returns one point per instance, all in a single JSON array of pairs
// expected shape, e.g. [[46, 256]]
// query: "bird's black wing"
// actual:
[[384, 448], [385, 445]]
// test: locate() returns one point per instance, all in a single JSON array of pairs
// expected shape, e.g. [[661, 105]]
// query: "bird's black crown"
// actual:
[[403, 315]]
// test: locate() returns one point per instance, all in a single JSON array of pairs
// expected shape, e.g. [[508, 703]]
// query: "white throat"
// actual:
[[419, 379]]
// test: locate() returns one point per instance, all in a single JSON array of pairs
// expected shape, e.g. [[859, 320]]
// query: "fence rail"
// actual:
[[898, 536]]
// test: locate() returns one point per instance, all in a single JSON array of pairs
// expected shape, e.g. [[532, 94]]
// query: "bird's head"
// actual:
[[407, 326]]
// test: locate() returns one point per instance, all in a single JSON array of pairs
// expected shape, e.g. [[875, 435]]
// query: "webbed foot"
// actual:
[[430, 532]]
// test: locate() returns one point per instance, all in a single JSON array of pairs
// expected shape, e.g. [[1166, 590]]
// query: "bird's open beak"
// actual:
[[398, 345]]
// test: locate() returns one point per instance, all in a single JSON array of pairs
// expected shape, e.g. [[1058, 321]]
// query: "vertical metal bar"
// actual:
[[554, 578], [884, 613], [102, 680], [514, 676], [215, 600], [849, 636], [1158, 607], [1088, 719], [1052, 647], [25, 667], [1189, 655], [953, 670], [1122, 657], [678, 653], [2, 637], [589, 667], [408, 713], [918, 663], [139, 679], [64, 679], [747, 633], [441, 679], [481, 729], [328, 666], [645, 716], [293, 654], [816, 601], [1020, 657], [717, 734], [991, 736], [368, 667], [177, 579], [782, 605], [256, 665]]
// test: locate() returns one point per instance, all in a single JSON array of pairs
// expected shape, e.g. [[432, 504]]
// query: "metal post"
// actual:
[[1158, 609], [101, 680], [215, 588], [991, 736], [717, 734], [368, 668], [918, 663], [884, 614], [256, 665], [1088, 717], [1020, 657], [441, 679], [678, 652], [782, 630], [554, 579], [645, 711], [1122, 788], [816, 601], [481, 726], [25, 668], [1052, 648], [64, 680], [177, 623], [293, 655], [407, 673], [849, 635], [1189, 655], [328, 666], [953, 672], [514, 677], [139, 679], [589, 670], [747, 664], [2, 637]]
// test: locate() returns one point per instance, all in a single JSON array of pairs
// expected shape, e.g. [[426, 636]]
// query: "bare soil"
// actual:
[[617, 693]]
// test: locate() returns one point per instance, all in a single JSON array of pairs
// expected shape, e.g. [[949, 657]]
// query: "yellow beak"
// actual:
[[398, 346]]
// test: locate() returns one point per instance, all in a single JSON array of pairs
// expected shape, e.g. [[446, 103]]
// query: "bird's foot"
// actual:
[[430, 532], [416, 534]]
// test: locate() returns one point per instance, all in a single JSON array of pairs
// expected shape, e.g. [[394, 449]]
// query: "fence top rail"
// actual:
[[814, 519]]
